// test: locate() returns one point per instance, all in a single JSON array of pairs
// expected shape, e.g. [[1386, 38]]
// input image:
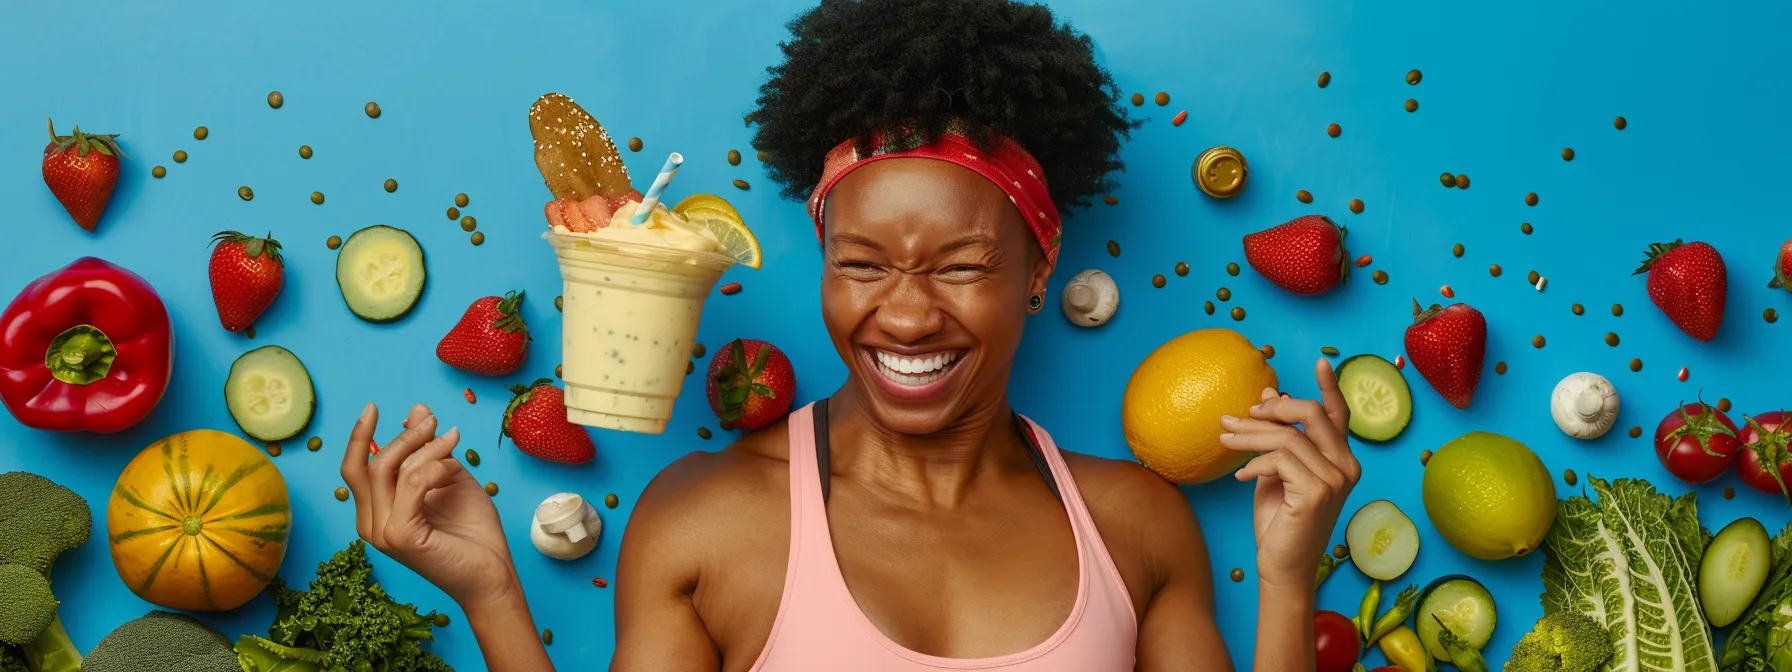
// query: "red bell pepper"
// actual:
[[89, 347]]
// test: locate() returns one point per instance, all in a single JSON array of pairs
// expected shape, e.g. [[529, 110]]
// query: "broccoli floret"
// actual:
[[39, 520], [1565, 641], [12, 659], [349, 619], [163, 642], [27, 607]]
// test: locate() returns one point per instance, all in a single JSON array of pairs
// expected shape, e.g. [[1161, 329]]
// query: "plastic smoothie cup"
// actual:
[[630, 320]]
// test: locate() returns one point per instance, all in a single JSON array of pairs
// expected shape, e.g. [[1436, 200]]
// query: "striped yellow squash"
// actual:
[[199, 521]]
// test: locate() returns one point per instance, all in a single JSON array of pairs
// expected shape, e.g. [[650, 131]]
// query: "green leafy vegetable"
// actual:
[[344, 622], [1629, 562]]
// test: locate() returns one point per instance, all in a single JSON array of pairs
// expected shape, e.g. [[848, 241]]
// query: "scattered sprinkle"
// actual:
[[599, 581], [1400, 362], [471, 398], [1110, 200], [1447, 292], [273, 449], [730, 289], [1364, 260], [341, 494], [1179, 118], [1541, 283], [1729, 492], [250, 333], [1682, 375]]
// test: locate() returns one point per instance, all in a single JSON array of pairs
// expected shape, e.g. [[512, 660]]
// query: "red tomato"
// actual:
[[1765, 438], [1696, 443], [1336, 642]]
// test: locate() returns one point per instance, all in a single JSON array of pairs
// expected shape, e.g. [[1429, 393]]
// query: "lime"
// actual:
[[1489, 496]]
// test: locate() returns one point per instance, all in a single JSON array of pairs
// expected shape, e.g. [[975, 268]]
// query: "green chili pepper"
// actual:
[[1403, 604], [1463, 656], [1365, 614], [1327, 564]]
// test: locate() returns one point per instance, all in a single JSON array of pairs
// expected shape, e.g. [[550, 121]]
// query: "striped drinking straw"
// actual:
[[652, 198]]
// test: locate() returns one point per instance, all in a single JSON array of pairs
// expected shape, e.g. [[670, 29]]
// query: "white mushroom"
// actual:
[[1091, 298], [1585, 405], [565, 527]]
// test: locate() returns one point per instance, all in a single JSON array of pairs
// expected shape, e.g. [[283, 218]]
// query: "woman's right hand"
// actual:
[[416, 503]]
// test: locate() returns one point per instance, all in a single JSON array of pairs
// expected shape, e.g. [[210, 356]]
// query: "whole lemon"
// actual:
[[1489, 496], [1173, 403]]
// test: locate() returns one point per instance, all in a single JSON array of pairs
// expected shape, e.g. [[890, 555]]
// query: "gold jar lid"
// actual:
[[1220, 172]]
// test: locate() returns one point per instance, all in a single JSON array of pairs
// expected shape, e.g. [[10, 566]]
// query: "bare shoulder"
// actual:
[[709, 503], [1146, 523], [1126, 490]]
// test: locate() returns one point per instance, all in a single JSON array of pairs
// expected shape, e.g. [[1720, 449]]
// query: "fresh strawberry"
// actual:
[[619, 201], [1304, 256], [81, 171], [490, 339], [751, 384], [1688, 282], [1782, 268], [247, 274], [1448, 346], [536, 421]]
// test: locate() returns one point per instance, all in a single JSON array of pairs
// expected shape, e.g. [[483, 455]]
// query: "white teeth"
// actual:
[[914, 370]]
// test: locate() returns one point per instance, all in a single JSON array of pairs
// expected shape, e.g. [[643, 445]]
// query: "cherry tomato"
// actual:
[[1696, 443], [1336, 642], [1765, 439]]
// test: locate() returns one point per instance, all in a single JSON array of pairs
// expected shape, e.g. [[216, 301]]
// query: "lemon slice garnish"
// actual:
[[715, 213]]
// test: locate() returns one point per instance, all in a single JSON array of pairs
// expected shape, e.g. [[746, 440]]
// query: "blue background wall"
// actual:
[[1506, 86]]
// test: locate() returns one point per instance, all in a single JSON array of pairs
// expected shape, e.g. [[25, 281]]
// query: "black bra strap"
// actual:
[[820, 411]]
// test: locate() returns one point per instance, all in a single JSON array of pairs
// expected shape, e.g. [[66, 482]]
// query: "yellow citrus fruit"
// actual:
[[1173, 403], [1489, 496], [723, 220]]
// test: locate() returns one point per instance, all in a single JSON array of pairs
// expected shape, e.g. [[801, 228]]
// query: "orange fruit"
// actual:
[[1173, 403]]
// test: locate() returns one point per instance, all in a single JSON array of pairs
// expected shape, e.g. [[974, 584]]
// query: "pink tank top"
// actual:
[[819, 626]]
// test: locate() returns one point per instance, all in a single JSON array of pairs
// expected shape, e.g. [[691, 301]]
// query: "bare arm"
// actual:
[[657, 626], [1179, 630], [507, 635]]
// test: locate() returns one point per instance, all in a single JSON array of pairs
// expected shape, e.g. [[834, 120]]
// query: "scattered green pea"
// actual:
[[733, 157], [157, 172], [314, 444], [245, 193], [200, 133], [391, 185], [342, 494], [741, 185], [467, 223], [472, 457], [611, 501], [703, 433], [180, 156], [441, 620], [461, 200], [491, 489], [304, 151], [547, 637], [560, 304]]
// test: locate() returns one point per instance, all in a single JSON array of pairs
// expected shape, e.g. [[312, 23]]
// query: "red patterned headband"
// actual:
[[1007, 165]]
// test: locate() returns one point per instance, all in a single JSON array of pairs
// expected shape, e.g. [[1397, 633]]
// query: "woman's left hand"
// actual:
[[1303, 477]]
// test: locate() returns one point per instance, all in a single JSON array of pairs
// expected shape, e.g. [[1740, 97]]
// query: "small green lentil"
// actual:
[[611, 501], [1138, 99], [317, 197], [304, 151], [1424, 458], [1232, 268], [699, 350], [1223, 294], [1636, 365], [733, 157], [372, 109], [453, 213], [275, 100], [1113, 248], [1208, 307], [1328, 351], [1182, 268], [441, 620], [1461, 181], [1269, 351], [1569, 477], [1379, 276], [1303, 196], [560, 304], [1770, 315], [201, 133], [1617, 310], [547, 637], [341, 494], [1611, 339], [180, 156], [467, 223], [742, 185], [703, 433], [1533, 276], [314, 444], [634, 144], [1157, 280], [1447, 180], [1499, 369], [1238, 313], [273, 449], [1340, 550], [1525, 228], [391, 185], [245, 193], [1110, 200], [1457, 250], [1636, 432], [1237, 575], [1162, 98], [333, 242], [491, 489], [461, 200], [472, 457], [1723, 404], [478, 238], [1325, 78], [1578, 309], [158, 172]]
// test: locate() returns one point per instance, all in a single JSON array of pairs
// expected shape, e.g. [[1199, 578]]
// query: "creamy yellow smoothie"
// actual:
[[633, 296]]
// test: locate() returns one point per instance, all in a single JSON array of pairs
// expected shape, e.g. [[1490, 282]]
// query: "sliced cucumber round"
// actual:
[[1460, 603], [1733, 570], [1383, 541], [269, 394], [1379, 400], [380, 272]]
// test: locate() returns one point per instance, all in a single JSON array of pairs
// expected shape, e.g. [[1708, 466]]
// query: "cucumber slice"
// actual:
[[1383, 541], [1461, 603], [1379, 400], [269, 394], [1733, 570], [380, 272]]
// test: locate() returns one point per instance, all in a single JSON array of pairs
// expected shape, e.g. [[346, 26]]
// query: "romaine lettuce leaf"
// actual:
[[1629, 561]]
